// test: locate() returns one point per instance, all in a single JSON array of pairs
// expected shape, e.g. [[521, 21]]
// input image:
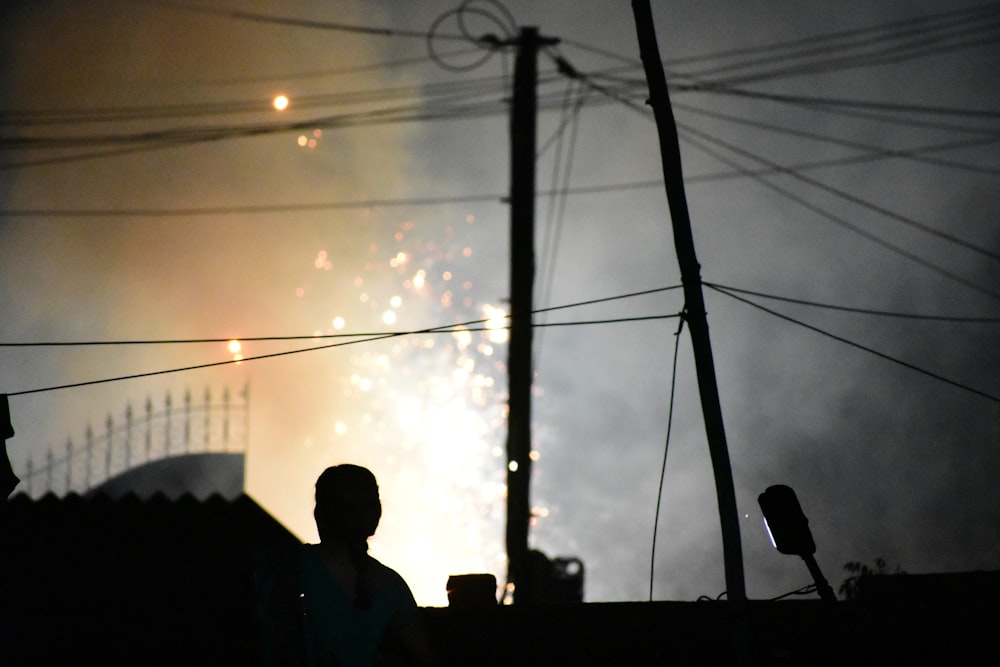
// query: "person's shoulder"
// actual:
[[392, 580], [308, 553], [386, 572]]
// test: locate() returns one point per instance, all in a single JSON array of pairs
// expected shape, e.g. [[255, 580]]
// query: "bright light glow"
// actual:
[[463, 338], [281, 102], [235, 346], [302, 140], [496, 321], [424, 412], [399, 260], [512, 466], [769, 535]]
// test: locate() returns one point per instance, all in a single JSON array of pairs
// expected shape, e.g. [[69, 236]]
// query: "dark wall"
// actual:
[[97, 581], [158, 582]]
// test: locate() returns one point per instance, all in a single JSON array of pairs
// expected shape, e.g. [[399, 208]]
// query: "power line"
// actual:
[[881, 31], [843, 106], [910, 115], [557, 202], [882, 48], [845, 161], [811, 41], [104, 115], [868, 105], [451, 328], [830, 216], [854, 309], [924, 34], [442, 329], [433, 92], [927, 264], [859, 346], [666, 447], [498, 197], [314, 74], [181, 110], [294, 22], [452, 109], [876, 151], [250, 209], [881, 210], [465, 104]]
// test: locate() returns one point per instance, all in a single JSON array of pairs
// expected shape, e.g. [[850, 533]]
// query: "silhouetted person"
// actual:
[[338, 606]]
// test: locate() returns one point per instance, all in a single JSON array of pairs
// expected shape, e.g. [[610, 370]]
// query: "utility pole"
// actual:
[[694, 304], [523, 137]]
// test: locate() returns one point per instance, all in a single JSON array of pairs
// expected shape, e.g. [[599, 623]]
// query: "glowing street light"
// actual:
[[788, 528]]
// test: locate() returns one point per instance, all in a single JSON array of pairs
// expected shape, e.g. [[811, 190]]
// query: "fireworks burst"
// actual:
[[426, 411]]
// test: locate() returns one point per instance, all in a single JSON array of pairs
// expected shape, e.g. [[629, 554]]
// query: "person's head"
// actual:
[[348, 508]]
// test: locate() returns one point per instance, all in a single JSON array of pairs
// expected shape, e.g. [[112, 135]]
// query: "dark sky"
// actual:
[[836, 153]]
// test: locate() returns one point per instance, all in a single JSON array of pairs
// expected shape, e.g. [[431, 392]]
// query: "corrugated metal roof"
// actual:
[[199, 474]]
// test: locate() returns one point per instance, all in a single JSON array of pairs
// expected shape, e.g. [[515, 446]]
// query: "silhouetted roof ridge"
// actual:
[[158, 498]]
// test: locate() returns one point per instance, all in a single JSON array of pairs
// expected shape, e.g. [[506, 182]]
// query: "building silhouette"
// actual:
[[155, 565]]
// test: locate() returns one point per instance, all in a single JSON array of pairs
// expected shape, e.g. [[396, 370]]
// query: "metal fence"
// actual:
[[191, 425]]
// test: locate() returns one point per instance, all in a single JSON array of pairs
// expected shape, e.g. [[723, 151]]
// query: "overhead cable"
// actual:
[[451, 328], [846, 196], [859, 346], [557, 203], [882, 30], [663, 465], [918, 155], [840, 221], [842, 106], [293, 21], [869, 105], [855, 309], [878, 49], [688, 130]]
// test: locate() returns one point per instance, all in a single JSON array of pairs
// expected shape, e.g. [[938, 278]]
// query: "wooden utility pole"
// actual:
[[694, 302], [523, 133]]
